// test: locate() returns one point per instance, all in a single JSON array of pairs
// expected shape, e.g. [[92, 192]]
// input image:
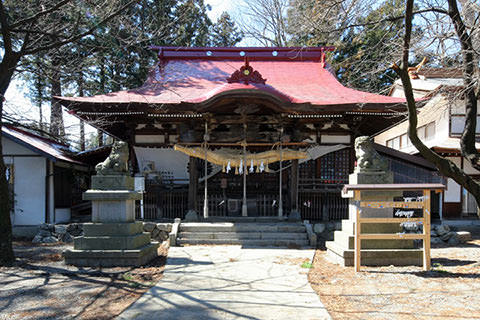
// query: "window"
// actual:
[[396, 143], [390, 143], [421, 133], [403, 141], [334, 167], [457, 124], [430, 131]]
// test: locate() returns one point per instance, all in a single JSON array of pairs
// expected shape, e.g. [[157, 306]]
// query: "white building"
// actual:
[[42, 178], [440, 124]]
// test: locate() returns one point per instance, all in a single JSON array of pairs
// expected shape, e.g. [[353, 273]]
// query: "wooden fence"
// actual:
[[322, 205], [423, 204]]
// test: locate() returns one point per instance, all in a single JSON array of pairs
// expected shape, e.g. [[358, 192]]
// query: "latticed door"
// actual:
[[320, 182]]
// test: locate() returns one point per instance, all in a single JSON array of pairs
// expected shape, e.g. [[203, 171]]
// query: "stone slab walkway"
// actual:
[[230, 282]]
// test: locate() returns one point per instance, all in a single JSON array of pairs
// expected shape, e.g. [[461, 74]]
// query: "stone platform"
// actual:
[[374, 252], [113, 238], [112, 244]]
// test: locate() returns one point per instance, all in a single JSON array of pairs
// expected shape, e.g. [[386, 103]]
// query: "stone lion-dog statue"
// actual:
[[368, 159], [117, 161]]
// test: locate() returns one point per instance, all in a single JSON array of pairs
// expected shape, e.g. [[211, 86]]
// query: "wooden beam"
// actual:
[[294, 184], [426, 230], [391, 236], [390, 220], [358, 252], [391, 204], [249, 144], [193, 184]]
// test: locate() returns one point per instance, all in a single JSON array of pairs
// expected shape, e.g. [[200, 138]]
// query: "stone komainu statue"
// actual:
[[117, 161], [368, 159]]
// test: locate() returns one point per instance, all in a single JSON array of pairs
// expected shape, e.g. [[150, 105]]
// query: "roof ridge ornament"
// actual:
[[246, 74]]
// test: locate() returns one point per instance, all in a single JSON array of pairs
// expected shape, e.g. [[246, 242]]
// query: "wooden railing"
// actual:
[[424, 204], [325, 203]]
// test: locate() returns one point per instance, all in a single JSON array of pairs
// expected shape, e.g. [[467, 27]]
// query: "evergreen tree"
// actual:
[[30, 27], [364, 40], [225, 33]]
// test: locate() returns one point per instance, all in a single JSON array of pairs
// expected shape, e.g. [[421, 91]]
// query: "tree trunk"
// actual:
[[82, 135], [444, 166], [7, 67], [80, 85], [6, 256], [57, 128]]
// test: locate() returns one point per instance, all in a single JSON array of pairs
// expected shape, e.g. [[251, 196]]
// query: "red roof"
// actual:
[[195, 75], [46, 147]]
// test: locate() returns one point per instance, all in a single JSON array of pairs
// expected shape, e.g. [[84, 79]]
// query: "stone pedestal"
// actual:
[[113, 238], [374, 252]]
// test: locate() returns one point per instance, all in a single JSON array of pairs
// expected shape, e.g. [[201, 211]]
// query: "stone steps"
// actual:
[[243, 235], [241, 227], [108, 258], [246, 242], [112, 242], [283, 234], [348, 226], [374, 257], [347, 240], [374, 252]]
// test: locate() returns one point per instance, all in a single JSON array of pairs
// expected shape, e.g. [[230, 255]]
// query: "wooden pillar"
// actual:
[[426, 229], [193, 184], [294, 185], [358, 242]]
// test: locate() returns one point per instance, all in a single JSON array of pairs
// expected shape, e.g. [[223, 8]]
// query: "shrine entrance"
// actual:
[[316, 195], [225, 194], [251, 183], [271, 105]]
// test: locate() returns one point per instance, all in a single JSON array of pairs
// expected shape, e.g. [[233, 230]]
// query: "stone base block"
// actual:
[[192, 216], [112, 229], [119, 182], [112, 258], [374, 252], [349, 227], [374, 257], [112, 195], [111, 242], [348, 241]]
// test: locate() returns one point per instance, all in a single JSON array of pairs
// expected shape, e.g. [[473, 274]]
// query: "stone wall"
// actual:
[[158, 231], [440, 234], [50, 233]]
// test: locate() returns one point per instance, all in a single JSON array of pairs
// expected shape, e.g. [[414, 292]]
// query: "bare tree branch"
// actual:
[[7, 38], [467, 140], [445, 166], [81, 35], [39, 14]]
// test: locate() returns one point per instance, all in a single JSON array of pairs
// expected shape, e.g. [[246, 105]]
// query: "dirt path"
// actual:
[[450, 291], [41, 286]]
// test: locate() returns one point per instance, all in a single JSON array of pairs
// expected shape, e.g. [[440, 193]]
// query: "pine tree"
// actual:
[[225, 33]]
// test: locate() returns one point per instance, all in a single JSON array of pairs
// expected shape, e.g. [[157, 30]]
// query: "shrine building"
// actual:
[[275, 127]]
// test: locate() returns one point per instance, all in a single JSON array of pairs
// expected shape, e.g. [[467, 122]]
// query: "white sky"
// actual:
[[17, 102], [219, 6]]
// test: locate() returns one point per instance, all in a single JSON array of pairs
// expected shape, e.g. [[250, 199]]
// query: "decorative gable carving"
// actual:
[[246, 74]]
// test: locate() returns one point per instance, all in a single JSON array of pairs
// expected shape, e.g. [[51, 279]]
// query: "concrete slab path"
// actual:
[[230, 282]]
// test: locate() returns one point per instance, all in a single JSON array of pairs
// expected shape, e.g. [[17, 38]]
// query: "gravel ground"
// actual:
[[451, 290], [40, 286]]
